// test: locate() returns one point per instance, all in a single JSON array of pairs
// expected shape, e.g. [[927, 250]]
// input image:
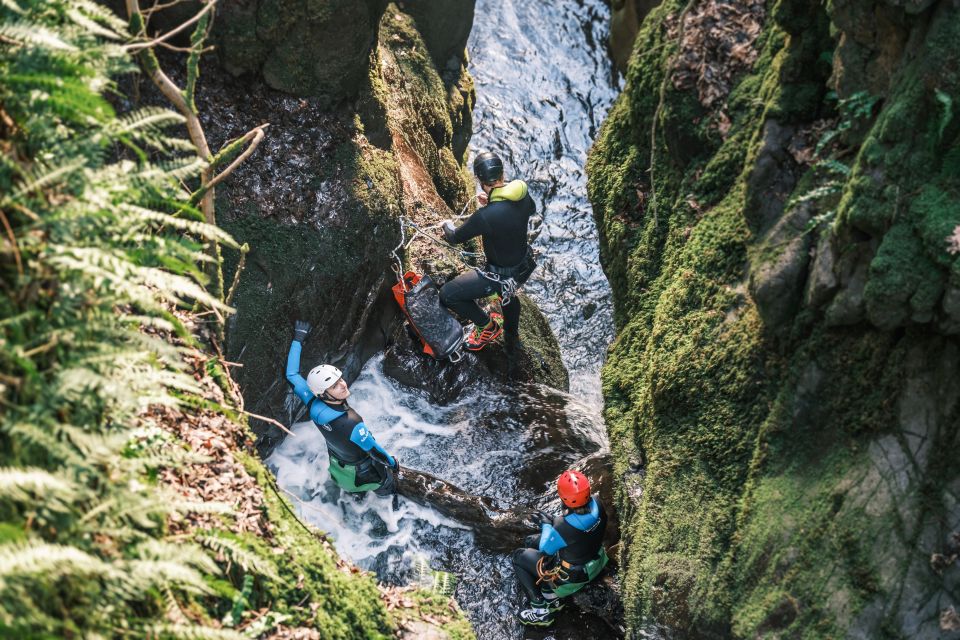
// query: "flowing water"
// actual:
[[543, 85]]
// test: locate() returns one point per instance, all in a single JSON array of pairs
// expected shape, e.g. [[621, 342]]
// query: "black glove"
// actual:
[[396, 464], [538, 518], [448, 230], [300, 330]]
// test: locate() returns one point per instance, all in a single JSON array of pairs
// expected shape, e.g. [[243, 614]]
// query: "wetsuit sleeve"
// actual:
[[550, 540], [293, 373], [362, 437], [472, 228]]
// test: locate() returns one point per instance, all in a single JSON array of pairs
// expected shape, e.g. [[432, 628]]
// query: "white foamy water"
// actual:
[[543, 88]]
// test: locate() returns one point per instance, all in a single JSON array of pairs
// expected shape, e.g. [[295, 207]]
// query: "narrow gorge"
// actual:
[[743, 326]]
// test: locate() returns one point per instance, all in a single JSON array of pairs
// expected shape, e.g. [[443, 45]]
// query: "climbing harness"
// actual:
[[551, 576]]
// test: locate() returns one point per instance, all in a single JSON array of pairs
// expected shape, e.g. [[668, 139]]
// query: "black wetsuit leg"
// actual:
[[511, 310], [525, 564], [389, 486], [511, 317], [461, 294], [370, 471]]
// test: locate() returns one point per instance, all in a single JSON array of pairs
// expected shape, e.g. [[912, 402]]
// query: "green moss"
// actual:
[[349, 603], [903, 281], [445, 619], [432, 116], [754, 520]]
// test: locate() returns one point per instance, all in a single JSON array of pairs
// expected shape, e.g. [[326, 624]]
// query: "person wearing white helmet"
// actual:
[[357, 461]]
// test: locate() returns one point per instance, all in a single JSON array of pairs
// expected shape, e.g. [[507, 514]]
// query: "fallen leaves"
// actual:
[[410, 613], [222, 479], [949, 619], [717, 43], [953, 242]]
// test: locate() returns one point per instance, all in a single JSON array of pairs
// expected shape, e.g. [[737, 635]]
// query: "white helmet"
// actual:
[[323, 377]]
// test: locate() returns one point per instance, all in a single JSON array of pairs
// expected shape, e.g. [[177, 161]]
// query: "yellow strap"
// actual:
[[514, 190]]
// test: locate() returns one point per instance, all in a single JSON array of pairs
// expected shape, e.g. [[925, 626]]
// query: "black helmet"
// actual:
[[488, 167]]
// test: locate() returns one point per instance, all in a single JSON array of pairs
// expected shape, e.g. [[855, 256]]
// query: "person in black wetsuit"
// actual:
[[566, 555], [357, 461], [502, 223]]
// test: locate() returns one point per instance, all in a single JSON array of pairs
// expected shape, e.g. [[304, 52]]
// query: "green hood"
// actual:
[[514, 190]]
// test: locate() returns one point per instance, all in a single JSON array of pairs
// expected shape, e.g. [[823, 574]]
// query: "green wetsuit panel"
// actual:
[[592, 569], [345, 475]]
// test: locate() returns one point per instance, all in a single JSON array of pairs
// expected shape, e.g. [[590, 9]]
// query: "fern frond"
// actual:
[[40, 180], [99, 13], [200, 229], [148, 118], [30, 34], [189, 554], [12, 6], [43, 440], [238, 554], [157, 573], [50, 561], [191, 632], [26, 483], [90, 25]]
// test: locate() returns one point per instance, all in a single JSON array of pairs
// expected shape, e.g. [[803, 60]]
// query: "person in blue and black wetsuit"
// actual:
[[357, 461], [567, 553], [502, 223]]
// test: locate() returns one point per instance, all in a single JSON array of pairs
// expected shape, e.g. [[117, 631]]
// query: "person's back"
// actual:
[[567, 553], [502, 224], [580, 534]]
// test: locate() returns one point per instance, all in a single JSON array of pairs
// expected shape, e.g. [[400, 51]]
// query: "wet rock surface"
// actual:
[[784, 321], [535, 359], [318, 49]]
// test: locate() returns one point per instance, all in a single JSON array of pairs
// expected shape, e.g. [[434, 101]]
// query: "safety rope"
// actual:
[[508, 286], [552, 576]]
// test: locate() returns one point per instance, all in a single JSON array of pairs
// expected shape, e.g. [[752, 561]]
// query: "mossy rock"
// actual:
[[319, 48], [784, 490], [536, 359]]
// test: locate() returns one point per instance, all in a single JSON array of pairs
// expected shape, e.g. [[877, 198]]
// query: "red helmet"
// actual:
[[574, 488]]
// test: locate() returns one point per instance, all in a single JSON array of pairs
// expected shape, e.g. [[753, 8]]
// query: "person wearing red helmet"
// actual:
[[567, 553]]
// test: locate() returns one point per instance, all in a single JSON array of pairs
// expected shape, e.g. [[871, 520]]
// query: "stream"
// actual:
[[539, 105]]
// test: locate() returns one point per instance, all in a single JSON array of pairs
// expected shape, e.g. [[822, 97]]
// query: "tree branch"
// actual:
[[257, 136], [134, 48]]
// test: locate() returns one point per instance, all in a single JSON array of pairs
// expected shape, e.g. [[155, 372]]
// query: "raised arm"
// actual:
[[301, 329]]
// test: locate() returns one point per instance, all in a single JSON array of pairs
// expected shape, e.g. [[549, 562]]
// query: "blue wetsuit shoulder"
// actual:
[[583, 521]]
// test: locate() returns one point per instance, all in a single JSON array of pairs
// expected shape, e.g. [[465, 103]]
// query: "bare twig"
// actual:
[[257, 136], [22, 209], [160, 7], [54, 341], [236, 276], [13, 243], [139, 46], [271, 421], [10, 380], [170, 47]]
